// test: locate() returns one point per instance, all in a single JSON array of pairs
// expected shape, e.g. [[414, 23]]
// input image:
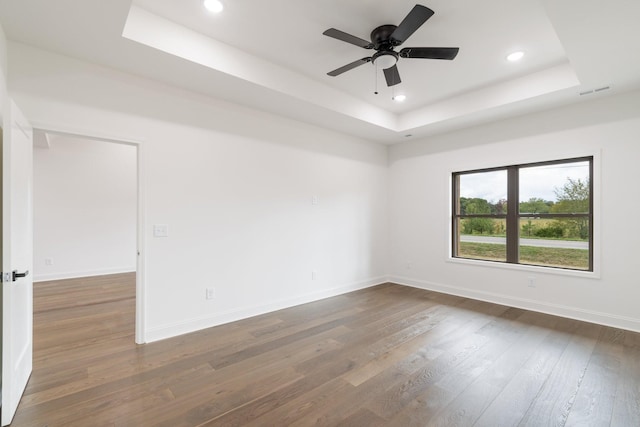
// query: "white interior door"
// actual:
[[17, 259]]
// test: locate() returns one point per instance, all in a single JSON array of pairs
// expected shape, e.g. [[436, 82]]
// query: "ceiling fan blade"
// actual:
[[429, 52], [414, 20], [341, 35], [348, 67], [392, 75]]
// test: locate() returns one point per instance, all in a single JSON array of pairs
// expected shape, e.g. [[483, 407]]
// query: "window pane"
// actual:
[[554, 242], [559, 188], [482, 238], [548, 224], [483, 193]]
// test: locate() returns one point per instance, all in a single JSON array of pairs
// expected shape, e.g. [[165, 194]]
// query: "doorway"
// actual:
[[87, 209]]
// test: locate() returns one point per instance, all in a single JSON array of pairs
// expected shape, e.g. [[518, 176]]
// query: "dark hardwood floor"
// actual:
[[385, 356]]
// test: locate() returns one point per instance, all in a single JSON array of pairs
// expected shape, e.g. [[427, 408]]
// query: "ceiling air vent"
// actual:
[[600, 89]]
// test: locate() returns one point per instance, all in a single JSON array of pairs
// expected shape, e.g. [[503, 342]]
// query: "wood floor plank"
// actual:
[[254, 409], [383, 352], [306, 407], [383, 356], [469, 405], [402, 362], [594, 400], [362, 417], [334, 409], [554, 402], [425, 406], [394, 399], [525, 385], [626, 407], [275, 360]]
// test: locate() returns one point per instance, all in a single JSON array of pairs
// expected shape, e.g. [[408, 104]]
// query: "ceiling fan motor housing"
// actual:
[[385, 57], [381, 37]]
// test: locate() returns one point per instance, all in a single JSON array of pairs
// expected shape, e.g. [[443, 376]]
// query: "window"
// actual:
[[535, 214]]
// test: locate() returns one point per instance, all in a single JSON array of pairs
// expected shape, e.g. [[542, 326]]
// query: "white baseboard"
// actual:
[[606, 319], [195, 324], [76, 274]]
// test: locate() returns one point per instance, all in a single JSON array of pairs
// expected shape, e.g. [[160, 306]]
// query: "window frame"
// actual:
[[513, 216]]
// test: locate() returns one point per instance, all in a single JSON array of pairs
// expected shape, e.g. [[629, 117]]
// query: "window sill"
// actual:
[[526, 268]]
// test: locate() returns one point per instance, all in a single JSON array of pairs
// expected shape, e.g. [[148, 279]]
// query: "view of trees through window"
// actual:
[[548, 222]]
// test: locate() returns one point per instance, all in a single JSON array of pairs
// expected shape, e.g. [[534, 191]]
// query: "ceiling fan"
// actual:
[[385, 38]]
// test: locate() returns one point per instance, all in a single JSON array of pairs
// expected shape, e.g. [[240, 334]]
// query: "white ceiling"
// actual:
[[273, 56]]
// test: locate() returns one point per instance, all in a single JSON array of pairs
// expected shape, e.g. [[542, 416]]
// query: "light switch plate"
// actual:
[[160, 230]]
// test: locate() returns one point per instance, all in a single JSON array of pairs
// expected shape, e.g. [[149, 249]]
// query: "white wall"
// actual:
[[84, 208], [235, 187], [420, 189]]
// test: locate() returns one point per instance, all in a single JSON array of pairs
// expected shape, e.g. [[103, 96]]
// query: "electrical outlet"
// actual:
[[48, 261], [531, 282], [314, 275], [409, 265], [211, 293]]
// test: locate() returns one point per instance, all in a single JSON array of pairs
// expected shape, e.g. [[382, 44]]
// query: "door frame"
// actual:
[[141, 305]]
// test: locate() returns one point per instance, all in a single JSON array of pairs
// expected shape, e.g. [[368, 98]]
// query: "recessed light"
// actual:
[[399, 98], [214, 6], [515, 56]]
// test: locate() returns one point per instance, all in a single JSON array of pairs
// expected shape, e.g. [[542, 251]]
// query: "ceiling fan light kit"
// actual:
[[387, 37], [385, 60]]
